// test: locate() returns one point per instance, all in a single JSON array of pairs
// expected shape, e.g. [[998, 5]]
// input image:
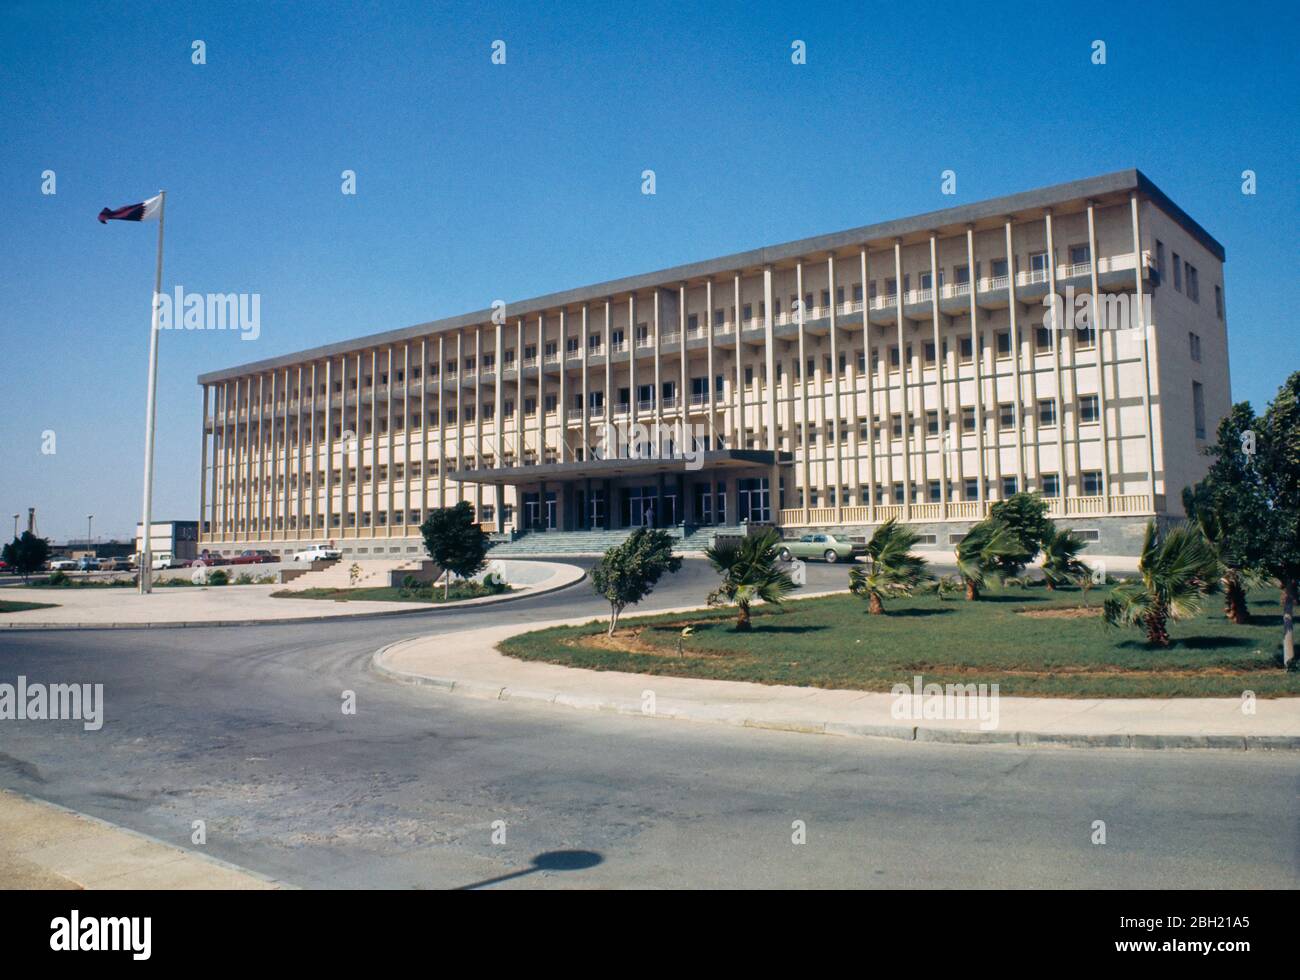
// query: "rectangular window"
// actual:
[[968, 418], [932, 422], [1198, 408], [1089, 410], [1160, 260], [967, 349], [530, 406], [961, 274], [1047, 411], [929, 354], [1194, 346], [999, 268], [1009, 486], [1193, 284], [595, 400], [1080, 254], [1051, 485], [896, 425], [971, 489], [1003, 338], [1218, 302], [932, 491], [1007, 415], [1042, 340], [1091, 483], [1038, 267], [1178, 273]]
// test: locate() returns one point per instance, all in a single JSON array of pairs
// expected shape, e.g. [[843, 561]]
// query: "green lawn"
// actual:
[[459, 591], [6, 607], [834, 643]]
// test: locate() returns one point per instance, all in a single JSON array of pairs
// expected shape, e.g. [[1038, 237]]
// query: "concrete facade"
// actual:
[[911, 369]]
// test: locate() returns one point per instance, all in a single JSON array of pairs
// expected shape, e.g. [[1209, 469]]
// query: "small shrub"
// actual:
[[59, 578], [244, 579], [219, 577]]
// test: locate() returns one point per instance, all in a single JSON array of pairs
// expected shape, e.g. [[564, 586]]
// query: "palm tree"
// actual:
[[1061, 562], [981, 550], [891, 569], [1237, 579], [750, 573], [1174, 573]]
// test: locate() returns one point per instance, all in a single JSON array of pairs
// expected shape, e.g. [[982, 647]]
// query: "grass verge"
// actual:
[[1032, 642]]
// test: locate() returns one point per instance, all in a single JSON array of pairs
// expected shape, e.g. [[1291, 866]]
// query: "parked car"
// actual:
[[5, 567], [318, 552], [168, 560], [253, 558], [827, 547], [88, 564], [211, 558], [123, 564], [63, 565]]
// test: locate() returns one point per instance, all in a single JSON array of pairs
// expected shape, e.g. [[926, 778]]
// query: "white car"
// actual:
[[63, 565], [318, 552]]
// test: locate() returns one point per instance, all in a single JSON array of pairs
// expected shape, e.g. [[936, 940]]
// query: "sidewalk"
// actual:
[[468, 663], [231, 605], [43, 846]]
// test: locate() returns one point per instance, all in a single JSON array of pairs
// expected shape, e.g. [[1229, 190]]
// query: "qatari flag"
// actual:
[[145, 211]]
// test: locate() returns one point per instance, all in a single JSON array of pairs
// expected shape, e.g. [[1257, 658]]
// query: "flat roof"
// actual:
[[1090, 187]]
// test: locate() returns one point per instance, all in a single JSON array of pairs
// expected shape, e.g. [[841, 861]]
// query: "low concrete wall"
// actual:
[[427, 572]]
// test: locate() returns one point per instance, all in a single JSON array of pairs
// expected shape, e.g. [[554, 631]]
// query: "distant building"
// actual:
[[179, 538]]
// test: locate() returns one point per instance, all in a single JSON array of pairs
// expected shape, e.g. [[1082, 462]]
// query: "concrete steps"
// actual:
[[578, 542], [374, 573]]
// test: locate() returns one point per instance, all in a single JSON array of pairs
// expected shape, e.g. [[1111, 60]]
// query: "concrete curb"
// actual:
[[817, 726], [289, 620], [147, 838]]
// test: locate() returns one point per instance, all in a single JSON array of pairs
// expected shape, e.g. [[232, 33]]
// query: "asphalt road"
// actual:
[[242, 728]]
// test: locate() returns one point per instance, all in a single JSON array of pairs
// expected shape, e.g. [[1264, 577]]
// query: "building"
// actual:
[[176, 538], [908, 369]]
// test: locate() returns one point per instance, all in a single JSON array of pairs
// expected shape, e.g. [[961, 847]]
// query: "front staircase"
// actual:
[[540, 543], [375, 573]]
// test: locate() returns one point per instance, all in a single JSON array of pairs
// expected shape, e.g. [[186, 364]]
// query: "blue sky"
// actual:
[[477, 182]]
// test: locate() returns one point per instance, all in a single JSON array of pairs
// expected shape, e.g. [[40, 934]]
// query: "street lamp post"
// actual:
[[15, 527], [89, 538]]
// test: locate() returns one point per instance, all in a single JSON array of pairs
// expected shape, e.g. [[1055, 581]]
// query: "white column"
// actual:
[[938, 377], [1149, 341], [903, 367], [804, 381], [1057, 334], [869, 376], [1015, 360], [1096, 326], [977, 360], [835, 391]]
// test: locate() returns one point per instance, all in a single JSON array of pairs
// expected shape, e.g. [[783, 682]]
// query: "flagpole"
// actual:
[[146, 551]]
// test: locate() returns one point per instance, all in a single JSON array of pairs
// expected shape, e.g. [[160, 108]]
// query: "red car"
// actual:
[[253, 558], [211, 558]]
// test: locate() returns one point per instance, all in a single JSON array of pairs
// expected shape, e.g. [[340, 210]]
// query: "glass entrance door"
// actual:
[[754, 500]]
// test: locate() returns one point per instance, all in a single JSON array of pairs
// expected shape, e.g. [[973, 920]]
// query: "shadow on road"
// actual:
[[546, 861]]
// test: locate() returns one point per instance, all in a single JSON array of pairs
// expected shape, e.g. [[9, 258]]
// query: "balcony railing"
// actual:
[[962, 510], [618, 346]]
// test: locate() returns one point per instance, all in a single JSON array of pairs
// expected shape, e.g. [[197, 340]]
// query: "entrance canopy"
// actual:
[[607, 469]]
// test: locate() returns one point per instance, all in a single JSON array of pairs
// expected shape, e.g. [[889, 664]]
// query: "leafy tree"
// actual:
[[628, 572], [1025, 515], [455, 542], [982, 551], [1253, 489], [891, 569], [750, 572], [1061, 562], [1174, 574], [27, 554]]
